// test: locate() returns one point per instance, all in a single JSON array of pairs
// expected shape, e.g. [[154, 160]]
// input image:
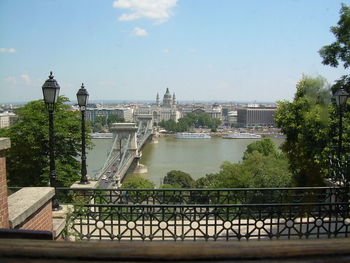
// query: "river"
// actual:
[[197, 157]]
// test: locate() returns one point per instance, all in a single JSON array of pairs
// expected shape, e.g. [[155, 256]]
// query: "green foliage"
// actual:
[[179, 179], [262, 166], [265, 147], [170, 125], [335, 54], [305, 122], [137, 182], [27, 159], [266, 171], [98, 127], [103, 123], [191, 120], [339, 50], [114, 119], [167, 186]]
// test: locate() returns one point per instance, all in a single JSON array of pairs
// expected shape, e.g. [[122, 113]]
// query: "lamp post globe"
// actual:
[[51, 91], [341, 97], [82, 97]]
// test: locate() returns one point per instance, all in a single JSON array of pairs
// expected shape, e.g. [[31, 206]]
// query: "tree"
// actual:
[[338, 51], [137, 182], [333, 55], [265, 147], [305, 122], [189, 121], [266, 170], [27, 159], [258, 169], [179, 179], [114, 119]]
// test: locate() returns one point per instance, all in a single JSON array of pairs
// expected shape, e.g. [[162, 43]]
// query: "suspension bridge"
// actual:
[[128, 140]]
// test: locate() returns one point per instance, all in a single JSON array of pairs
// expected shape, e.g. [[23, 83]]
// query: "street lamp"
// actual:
[[341, 97], [82, 96], [51, 91]]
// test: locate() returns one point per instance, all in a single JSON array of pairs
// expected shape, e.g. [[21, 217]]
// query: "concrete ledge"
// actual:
[[58, 226], [26, 202], [90, 185], [62, 213], [5, 143]]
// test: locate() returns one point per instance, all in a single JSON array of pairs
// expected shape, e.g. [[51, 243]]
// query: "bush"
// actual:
[[137, 182], [179, 179]]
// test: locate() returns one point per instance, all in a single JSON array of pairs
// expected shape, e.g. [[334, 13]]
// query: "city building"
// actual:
[[214, 111], [126, 113], [7, 119], [168, 110], [232, 118], [248, 117]]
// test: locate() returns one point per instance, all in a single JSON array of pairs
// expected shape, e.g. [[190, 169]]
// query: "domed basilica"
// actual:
[[162, 112]]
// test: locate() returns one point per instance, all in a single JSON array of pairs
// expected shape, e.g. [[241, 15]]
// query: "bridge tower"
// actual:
[[145, 122], [125, 134]]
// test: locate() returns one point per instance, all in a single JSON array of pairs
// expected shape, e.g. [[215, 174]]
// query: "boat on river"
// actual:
[[102, 135], [188, 135], [243, 135]]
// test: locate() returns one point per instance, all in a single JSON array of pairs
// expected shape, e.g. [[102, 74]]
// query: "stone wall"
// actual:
[[30, 208], [40, 220], [4, 216]]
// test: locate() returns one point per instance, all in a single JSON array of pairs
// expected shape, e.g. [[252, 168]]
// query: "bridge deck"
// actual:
[[118, 166]]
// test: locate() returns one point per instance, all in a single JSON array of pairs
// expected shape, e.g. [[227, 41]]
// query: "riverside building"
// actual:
[[256, 117], [126, 113]]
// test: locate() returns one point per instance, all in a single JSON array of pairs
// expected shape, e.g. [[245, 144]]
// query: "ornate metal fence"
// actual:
[[211, 222], [208, 214], [206, 196]]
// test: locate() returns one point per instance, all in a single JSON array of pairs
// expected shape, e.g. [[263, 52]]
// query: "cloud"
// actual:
[[26, 78], [7, 50], [158, 10], [166, 51], [139, 32]]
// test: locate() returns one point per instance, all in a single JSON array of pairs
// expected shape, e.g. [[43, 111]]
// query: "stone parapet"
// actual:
[[30, 208], [90, 185], [5, 144]]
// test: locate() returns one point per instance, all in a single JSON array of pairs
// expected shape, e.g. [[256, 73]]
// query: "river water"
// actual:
[[197, 157]]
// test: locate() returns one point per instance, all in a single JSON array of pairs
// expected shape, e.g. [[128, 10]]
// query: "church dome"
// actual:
[[167, 93], [167, 99]]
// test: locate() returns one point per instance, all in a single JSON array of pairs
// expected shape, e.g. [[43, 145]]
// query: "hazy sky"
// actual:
[[233, 50]]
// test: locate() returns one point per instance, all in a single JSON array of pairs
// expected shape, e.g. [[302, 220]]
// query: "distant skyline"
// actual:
[[225, 50]]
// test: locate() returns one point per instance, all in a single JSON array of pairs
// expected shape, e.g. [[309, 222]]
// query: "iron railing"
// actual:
[[206, 196], [208, 214], [210, 222]]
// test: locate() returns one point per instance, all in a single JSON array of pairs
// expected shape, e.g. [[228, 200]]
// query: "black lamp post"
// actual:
[[51, 91], [341, 97], [82, 96]]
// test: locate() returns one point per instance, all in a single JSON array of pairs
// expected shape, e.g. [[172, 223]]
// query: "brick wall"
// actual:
[[4, 216], [40, 220], [29, 208]]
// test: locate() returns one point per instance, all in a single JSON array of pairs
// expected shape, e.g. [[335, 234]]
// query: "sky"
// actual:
[[217, 50]]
